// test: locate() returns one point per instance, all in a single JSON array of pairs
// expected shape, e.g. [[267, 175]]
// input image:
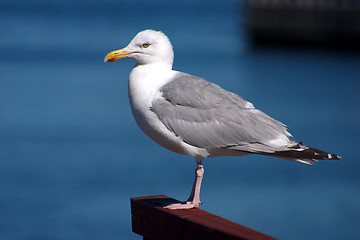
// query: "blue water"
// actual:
[[71, 155]]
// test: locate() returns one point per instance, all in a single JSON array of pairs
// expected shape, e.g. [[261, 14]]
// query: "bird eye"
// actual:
[[145, 45]]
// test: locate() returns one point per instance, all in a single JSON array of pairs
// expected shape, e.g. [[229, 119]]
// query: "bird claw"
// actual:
[[186, 205]]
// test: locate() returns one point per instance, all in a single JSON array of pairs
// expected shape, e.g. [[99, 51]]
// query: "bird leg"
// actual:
[[195, 192], [194, 199]]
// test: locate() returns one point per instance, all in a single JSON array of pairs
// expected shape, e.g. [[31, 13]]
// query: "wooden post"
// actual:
[[153, 222]]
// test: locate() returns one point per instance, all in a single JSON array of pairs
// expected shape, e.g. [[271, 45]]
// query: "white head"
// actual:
[[147, 47]]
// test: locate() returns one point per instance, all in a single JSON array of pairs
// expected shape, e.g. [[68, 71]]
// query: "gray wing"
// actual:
[[207, 116]]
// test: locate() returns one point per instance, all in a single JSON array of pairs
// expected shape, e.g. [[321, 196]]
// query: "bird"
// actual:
[[189, 115]]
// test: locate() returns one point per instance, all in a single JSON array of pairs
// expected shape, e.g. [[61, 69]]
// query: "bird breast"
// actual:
[[144, 87]]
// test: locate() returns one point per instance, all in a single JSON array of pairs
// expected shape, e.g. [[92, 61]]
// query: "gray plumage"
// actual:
[[189, 115], [204, 115], [207, 116]]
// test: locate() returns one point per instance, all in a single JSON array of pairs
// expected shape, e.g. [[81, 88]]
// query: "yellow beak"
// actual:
[[115, 55]]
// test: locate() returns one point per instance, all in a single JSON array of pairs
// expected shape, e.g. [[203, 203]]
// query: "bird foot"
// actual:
[[186, 205]]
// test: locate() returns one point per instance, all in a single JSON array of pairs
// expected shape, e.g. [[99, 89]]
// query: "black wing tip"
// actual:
[[333, 157], [305, 154], [320, 155]]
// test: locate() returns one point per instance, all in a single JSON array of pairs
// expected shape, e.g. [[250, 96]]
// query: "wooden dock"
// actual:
[[153, 222]]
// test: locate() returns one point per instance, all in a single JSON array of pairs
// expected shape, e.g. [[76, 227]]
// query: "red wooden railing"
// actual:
[[153, 222]]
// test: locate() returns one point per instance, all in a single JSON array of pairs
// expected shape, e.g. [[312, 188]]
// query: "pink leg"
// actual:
[[194, 199]]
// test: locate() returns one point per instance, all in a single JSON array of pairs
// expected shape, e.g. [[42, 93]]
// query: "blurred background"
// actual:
[[71, 155]]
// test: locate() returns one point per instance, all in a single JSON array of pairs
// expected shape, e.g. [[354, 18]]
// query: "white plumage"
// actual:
[[189, 115]]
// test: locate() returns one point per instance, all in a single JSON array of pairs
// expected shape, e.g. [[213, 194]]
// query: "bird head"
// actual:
[[147, 47]]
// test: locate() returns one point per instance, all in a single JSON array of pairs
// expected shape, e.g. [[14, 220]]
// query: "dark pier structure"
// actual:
[[317, 23]]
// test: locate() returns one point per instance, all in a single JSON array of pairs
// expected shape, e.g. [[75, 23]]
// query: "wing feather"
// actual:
[[207, 116]]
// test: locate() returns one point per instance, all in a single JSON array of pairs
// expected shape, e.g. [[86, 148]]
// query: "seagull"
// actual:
[[188, 115]]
